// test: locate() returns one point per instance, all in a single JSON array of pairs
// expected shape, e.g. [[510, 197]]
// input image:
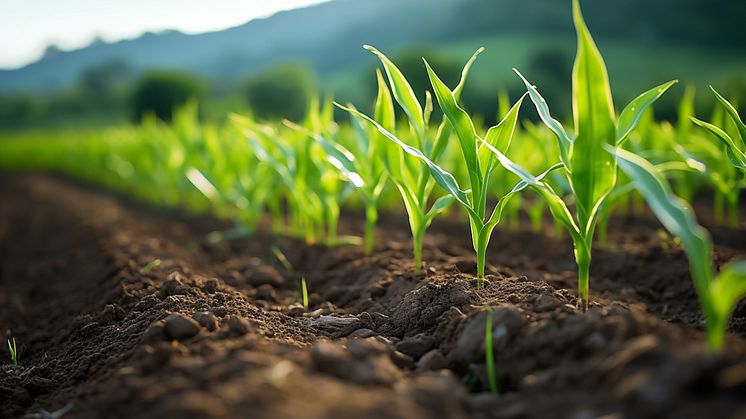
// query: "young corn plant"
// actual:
[[360, 168], [732, 175], [479, 165], [304, 292], [13, 352], [407, 170], [718, 294], [590, 170]]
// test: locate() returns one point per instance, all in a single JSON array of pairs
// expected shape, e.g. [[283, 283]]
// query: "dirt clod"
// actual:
[[180, 327]]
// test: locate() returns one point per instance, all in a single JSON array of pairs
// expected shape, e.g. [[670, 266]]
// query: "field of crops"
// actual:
[[403, 261]]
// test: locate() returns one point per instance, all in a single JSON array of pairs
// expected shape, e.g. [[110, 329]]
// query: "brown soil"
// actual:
[[215, 330]]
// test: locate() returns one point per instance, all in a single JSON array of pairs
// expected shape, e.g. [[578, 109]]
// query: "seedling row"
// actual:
[[403, 155]]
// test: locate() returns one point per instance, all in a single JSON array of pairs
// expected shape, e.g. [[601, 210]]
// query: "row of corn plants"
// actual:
[[300, 176]]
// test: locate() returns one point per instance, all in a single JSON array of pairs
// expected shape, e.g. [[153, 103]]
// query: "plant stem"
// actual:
[[583, 258], [371, 218], [481, 260], [715, 332], [718, 208], [417, 237], [733, 210]]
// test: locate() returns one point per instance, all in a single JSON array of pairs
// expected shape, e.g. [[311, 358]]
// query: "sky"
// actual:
[[27, 27]]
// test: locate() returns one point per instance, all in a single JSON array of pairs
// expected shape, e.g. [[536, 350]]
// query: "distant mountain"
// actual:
[[328, 36]]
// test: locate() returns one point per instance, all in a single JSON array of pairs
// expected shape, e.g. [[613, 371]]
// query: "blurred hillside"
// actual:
[[644, 41]]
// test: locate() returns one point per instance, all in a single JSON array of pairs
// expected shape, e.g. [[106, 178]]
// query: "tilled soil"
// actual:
[[216, 330]]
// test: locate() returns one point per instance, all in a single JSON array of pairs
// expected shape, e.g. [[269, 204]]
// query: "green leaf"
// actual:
[[384, 109], [593, 169], [500, 135], [440, 205], [735, 155], [676, 216], [631, 114], [565, 142], [464, 73], [441, 176], [461, 122], [732, 112], [403, 92], [336, 154], [556, 206], [728, 289]]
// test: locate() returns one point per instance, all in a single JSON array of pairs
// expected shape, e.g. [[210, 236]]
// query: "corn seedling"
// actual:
[[13, 352], [282, 259], [304, 292], [731, 176], [718, 294], [409, 170], [479, 165], [590, 170], [151, 265]]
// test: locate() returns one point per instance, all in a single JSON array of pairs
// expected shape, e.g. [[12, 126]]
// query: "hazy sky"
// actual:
[[28, 26]]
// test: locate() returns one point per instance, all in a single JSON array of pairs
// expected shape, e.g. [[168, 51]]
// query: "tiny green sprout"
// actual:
[[151, 265], [489, 357], [304, 292], [282, 259], [13, 352]]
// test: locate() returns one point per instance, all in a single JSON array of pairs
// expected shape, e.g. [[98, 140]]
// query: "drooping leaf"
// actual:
[[731, 110], [441, 176], [565, 142], [735, 155], [675, 215]]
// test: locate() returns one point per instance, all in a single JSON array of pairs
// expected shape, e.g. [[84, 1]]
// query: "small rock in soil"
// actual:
[[335, 323], [265, 292], [428, 389], [111, 313], [155, 332], [506, 322], [210, 285], [263, 274], [401, 360], [417, 345], [206, 320], [174, 285], [432, 360], [235, 326], [362, 333], [295, 310], [363, 348], [180, 327], [374, 368]]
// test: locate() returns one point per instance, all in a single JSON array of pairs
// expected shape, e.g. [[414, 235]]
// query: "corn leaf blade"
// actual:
[[402, 91], [593, 169], [676, 216], [631, 114], [441, 176]]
